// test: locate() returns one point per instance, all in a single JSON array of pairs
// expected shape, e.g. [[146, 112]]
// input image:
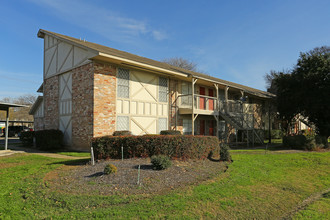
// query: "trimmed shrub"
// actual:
[[27, 138], [122, 133], [224, 152], [160, 162], [295, 141], [49, 139], [305, 142], [322, 141], [173, 146], [109, 169], [170, 132]]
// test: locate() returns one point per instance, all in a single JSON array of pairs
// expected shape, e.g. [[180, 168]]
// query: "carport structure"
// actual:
[[5, 107]]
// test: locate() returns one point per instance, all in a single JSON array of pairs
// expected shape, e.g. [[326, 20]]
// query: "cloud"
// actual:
[[158, 35], [105, 22]]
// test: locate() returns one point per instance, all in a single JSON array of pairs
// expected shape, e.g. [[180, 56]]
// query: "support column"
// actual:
[[253, 132], [193, 81], [247, 138], [7, 125], [269, 125], [236, 133], [226, 98], [217, 109]]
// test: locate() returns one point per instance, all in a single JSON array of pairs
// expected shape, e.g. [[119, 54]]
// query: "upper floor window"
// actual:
[[123, 83], [163, 89]]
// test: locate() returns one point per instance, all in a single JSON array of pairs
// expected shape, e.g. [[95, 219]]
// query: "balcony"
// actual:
[[203, 105]]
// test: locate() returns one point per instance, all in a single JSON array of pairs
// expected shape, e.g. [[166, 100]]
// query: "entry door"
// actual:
[[202, 99], [211, 127], [202, 127], [211, 101]]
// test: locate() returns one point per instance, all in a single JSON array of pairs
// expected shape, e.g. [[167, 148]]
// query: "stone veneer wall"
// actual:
[[39, 124], [82, 106], [104, 120], [51, 103]]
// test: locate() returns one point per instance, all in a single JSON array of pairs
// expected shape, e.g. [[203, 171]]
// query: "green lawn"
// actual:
[[75, 154], [317, 210], [261, 186], [274, 141]]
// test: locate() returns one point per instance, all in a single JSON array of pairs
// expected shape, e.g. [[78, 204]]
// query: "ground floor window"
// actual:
[[122, 123], [162, 124], [187, 126]]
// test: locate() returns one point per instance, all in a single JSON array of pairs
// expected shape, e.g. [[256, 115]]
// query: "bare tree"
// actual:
[[181, 62]]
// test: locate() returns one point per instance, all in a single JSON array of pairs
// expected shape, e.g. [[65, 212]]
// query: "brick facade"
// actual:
[[104, 111], [39, 124], [82, 106], [93, 103], [175, 120], [51, 103]]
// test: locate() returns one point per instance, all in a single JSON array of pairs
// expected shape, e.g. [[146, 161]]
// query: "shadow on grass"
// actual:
[[95, 175], [73, 162], [144, 167]]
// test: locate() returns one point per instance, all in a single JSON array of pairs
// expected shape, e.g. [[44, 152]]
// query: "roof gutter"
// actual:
[[142, 65], [235, 87]]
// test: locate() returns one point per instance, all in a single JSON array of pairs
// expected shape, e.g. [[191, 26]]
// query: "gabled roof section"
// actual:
[[36, 105], [41, 88], [118, 54]]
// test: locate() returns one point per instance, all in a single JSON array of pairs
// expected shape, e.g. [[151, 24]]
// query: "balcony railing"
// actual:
[[233, 106], [201, 102]]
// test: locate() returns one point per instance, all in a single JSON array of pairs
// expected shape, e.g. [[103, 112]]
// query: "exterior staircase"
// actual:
[[240, 116]]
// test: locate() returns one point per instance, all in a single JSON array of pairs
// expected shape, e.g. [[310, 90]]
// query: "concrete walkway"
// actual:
[[16, 149]]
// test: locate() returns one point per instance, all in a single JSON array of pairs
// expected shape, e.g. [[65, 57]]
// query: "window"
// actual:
[[123, 83], [122, 123], [186, 90], [187, 127], [163, 89], [162, 124]]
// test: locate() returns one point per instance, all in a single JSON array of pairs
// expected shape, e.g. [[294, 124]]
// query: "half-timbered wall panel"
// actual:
[[40, 111], [60, 56], [65, 106], [147, 103]]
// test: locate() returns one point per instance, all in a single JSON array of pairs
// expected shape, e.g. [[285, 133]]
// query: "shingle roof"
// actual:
[[122, 54]]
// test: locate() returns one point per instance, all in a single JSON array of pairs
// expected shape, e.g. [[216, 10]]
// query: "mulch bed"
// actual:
[[88, 179]]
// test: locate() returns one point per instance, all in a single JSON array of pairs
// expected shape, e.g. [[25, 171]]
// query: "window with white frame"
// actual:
[[163, 89], [186, 92], [162, 124], [122, 123], [187, 126], [123, 83]]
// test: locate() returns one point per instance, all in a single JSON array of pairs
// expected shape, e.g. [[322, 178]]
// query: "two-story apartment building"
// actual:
[[90, 90]]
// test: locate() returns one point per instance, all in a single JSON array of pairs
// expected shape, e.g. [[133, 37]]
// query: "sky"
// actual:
[[238, 41]]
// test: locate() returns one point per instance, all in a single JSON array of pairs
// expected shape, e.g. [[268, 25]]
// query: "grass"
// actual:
[[317, 210], [75, 154], [274, 141], [261, 186]]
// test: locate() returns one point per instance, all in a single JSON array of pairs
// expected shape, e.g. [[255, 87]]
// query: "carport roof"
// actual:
[[5, 106]]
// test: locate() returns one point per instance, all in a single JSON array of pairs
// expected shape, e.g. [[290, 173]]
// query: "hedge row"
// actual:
[[44, 139], [305, 142], [174, 146]]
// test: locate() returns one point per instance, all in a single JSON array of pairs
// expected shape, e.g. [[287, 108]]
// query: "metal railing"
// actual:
[[201, 102]]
